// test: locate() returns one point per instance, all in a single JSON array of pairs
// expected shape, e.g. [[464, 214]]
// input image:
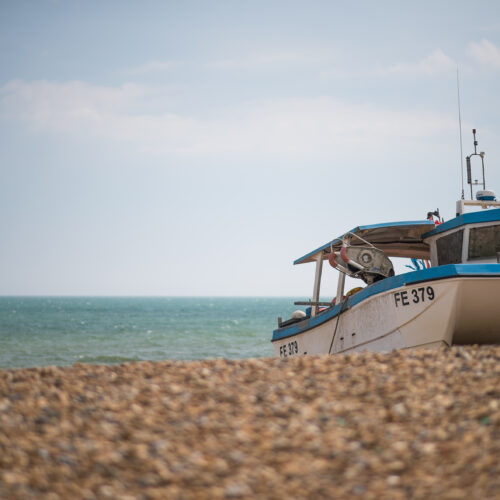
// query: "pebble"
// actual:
[[406, 424]]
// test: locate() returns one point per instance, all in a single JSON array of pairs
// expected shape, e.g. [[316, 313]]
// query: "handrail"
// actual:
[[312, 303]]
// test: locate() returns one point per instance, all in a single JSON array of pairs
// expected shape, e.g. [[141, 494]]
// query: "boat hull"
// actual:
[[429, 313]]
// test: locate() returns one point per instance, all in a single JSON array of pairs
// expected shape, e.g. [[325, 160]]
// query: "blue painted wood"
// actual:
[[492, 215]]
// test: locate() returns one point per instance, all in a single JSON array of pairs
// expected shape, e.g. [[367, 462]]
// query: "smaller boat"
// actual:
[[452, 295]]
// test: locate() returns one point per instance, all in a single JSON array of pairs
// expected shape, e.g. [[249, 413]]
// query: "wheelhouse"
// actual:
[[469, 238]]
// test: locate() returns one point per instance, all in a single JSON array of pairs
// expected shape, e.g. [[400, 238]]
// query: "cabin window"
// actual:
[[449, 248], [484, 242]]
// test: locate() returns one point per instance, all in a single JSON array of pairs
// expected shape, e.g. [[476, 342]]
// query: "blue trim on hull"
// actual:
[[492, 215], [431, 274]]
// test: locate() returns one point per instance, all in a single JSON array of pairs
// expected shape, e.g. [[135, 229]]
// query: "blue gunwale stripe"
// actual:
[[412, 278]]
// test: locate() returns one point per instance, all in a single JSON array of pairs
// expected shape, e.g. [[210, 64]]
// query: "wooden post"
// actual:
[[341, 281], [317, 283], [340, 288], [465, 244]]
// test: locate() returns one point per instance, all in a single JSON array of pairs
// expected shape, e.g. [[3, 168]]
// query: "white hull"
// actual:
[[443, 312]]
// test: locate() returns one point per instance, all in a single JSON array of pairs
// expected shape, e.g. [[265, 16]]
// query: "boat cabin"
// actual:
[[469, 238]]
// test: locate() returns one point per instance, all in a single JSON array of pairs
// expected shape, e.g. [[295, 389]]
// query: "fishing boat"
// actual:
[[451, 296]]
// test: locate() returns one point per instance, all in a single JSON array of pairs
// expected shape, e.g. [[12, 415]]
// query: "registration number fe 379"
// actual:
[[289, 349], [414, 296]]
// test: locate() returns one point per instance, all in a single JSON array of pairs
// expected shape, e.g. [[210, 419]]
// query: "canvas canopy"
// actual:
[[396, 239]]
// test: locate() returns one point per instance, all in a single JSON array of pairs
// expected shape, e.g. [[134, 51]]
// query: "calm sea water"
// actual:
[[40, 331]]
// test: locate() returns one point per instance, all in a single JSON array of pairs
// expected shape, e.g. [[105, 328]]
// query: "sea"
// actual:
[[61, 331]]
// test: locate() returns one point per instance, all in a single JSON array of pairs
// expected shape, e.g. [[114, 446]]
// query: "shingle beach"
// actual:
[[420, 424]]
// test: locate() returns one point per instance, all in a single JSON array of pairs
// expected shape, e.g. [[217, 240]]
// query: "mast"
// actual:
[[484, 198]]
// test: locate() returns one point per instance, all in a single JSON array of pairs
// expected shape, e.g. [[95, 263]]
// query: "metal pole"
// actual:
[[460, 128], [482, 161]]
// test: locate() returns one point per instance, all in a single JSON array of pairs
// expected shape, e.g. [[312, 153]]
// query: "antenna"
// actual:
[[460, 129], [469, 169]]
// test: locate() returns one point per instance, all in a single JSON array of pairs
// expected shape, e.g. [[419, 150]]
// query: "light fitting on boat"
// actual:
[[485, 195]]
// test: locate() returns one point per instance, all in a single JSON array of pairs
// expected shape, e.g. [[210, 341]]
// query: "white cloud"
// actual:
[[490, 27], [268, 58], [153, 66], [295, 126], [437, 62], [42, 102], [250, 61], [485, 53]]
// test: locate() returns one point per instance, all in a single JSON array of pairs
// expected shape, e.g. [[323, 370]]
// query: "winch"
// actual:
[[368, 263]]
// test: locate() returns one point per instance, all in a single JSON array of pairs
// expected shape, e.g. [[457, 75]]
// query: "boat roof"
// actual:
[[396, 239], [492, 215]]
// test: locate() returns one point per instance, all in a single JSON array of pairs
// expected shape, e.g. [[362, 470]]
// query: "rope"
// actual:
[[337, 324]]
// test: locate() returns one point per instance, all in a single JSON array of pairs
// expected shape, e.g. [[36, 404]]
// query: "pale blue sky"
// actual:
[[198, 148]]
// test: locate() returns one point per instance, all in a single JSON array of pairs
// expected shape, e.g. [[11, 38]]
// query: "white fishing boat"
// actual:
[[451, 297]]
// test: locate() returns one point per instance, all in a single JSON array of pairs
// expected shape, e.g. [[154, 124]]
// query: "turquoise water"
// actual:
[[40, 331]]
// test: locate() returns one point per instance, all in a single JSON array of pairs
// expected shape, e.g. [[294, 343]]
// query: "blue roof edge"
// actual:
[[470, 218]]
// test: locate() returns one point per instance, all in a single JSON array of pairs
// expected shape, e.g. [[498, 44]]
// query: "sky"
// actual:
[[199, 148]]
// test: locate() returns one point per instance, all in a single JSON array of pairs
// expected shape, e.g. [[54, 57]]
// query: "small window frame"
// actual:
[[477, 253], [445, 243]]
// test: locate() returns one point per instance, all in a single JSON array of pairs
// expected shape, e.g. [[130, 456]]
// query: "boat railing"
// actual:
[[312, 303], [484, 204]]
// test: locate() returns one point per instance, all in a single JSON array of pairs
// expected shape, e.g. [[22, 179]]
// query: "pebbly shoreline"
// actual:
[[420, 424]]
